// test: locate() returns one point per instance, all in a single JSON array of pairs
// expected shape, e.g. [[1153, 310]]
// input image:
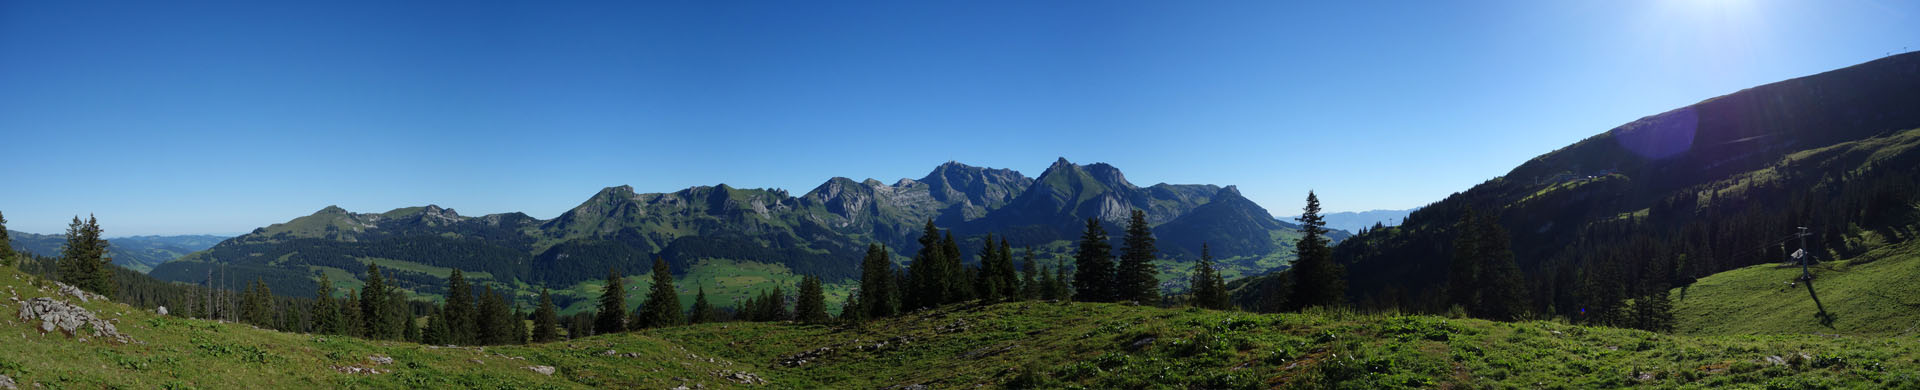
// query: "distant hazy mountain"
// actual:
[[1352, 222], [822, 232], [140, 253]]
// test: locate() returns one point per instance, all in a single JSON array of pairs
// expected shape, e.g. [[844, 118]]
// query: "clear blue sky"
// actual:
[[188, 117]]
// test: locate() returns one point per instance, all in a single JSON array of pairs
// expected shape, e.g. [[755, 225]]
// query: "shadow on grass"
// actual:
[[1826, 319]]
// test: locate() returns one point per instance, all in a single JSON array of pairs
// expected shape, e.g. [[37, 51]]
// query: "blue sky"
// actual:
[[170, 118]]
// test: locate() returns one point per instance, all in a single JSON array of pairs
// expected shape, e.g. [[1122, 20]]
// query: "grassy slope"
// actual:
[[1046, 344], [1873, 294]]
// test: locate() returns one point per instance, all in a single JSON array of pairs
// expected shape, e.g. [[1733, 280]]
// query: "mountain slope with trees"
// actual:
[[822, 233], [1670, 198], [139, 253]]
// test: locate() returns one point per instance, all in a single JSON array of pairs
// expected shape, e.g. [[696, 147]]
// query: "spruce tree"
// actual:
[[986, 282], [459, 310], [256, 305], [351, 322], [1029, 277], [1006, 278], [326, 312], [1093, 274], [612, 317], [492, 319], [519, 320], [1503, 293], [811, 301], [1209, 289], [546, 323], [1048, 289], [1317, 280], [437, 331], [702, 311], [662, 307], [877, 297], [6, 244], [927, 271], [1463, 275], [376, 323], [957, 280], [410, 330], [83, 262], [1136, 278], [1061, 289]]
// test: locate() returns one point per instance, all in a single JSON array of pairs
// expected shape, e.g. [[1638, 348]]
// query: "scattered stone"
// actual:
[[76, 292], [162, 310], [1557, 333], [7, 383], [609, 353], [68, 318], [543, 370], [745, 378], [953, 327], [1776, 360], [380, 360], [1643, 376], [802, 358], [891, 343], [360, 370], [1143, 342], [476, 361], [909, 387]]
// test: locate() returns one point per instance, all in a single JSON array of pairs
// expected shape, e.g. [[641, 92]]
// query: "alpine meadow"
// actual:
[[1404, 195]]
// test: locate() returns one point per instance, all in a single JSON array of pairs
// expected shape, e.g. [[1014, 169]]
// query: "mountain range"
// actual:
[[139, 253], [1355, 221], [823, 232]]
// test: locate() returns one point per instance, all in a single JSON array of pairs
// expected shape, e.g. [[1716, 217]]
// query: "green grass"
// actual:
[[1873, 294], [1033, 344]]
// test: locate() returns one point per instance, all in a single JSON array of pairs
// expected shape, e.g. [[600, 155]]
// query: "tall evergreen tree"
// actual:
[[546, 323], [987, 282], [702, 311], [351, 322], [6, 244], [519, 320], [1029, 276], [612, 317], [1209, 289], [811, 301], [256, 304], [1317, 280], [494, 322], [410, 330], [437, 330], [662, 307], [1093, 274], [377, 324], [1006, 279], [1503, 293], [1136, 279], [83, 261], [1463, 274], [877, 296], [459, 310], [928, 271], [326, 312]]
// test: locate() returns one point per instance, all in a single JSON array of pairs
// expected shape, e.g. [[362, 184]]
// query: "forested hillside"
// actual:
[[1667, 199]]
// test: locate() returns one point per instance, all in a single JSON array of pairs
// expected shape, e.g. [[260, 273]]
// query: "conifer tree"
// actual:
[[1317, 280], [410, 330], [1209, 289], [326, 313], [1093, 275], [811, 301], [459, 310], [1006, 278], [1503, 293], [6, 244], [957, 280], [702, 311], [1061, 288], [1049, 285], [612, 317], [519, 320], [374, 314], [1136, 278], [290, 318], [437, 332], [1029, 277], [986, 281], [351, 322], [927, 272], [546, 323], [83, 261], [662, 307], [1463, 274], [256, 304], [493, 319], [877, 297]]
